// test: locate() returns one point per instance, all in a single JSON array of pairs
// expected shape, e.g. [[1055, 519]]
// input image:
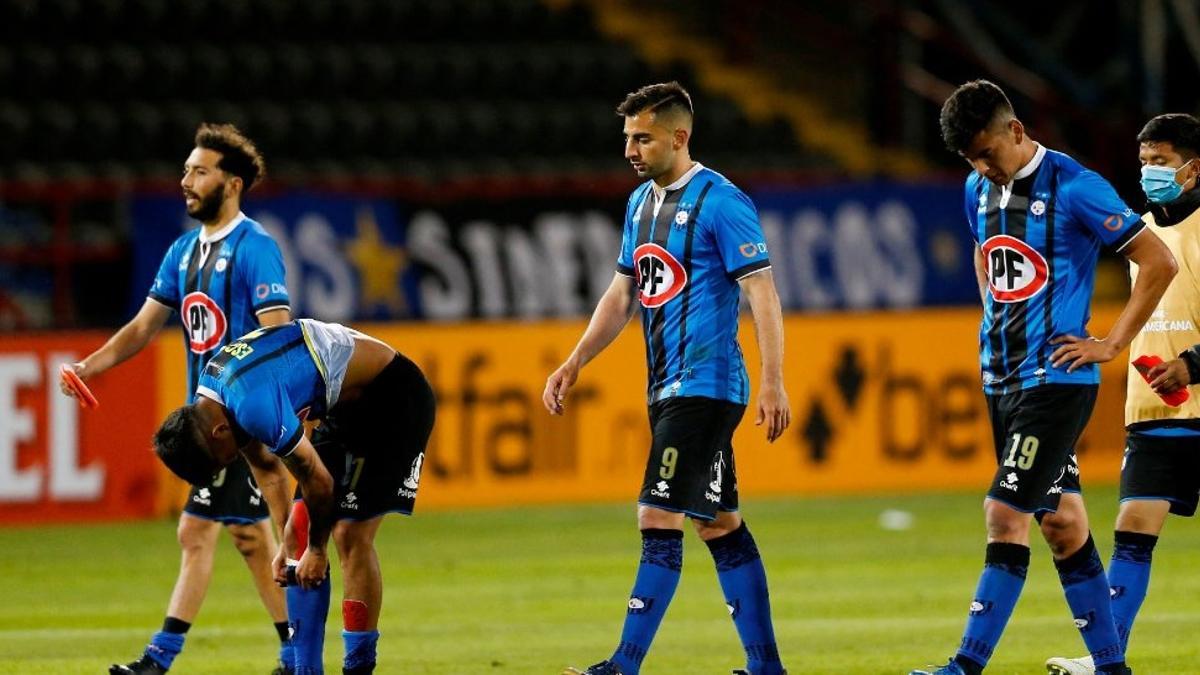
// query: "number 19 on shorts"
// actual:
[[1021, 452]]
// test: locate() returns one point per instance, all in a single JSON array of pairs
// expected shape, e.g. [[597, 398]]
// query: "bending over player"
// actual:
[[363, 461]]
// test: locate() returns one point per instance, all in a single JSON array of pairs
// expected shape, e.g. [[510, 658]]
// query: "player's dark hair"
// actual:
[[238, 154], [180, 444], [972, 108], [1182, 131], [664, 96]]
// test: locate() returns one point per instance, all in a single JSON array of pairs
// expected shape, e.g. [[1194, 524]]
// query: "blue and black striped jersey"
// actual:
[[1040, 239], [272, 379], [687, 257], [219, 286]]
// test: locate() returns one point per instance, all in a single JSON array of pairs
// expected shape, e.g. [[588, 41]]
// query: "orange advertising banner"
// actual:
[[880, 402], [60, 462]]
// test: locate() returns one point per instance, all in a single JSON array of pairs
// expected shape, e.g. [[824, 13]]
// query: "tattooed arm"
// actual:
[[316, 485]]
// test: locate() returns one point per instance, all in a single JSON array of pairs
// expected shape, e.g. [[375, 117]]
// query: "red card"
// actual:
[[75, 384]]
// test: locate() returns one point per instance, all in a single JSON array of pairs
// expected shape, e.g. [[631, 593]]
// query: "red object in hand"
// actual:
[[1143, 364], [75, 384]]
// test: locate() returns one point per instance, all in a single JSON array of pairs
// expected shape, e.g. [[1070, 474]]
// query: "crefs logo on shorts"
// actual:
[[203, 321], [661, 489], [203, 496], [1016, 272], [1010, 481], [660, 277], [350, 502]]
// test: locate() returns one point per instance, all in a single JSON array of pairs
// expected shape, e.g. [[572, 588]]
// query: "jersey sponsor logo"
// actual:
[[751, 249], [660, 277], [1016, 271], [203, 321], [1117, 220]]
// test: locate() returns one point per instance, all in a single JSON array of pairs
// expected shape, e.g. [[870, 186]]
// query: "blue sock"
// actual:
[[657, 577], [360, 648], [1129, 578], [286, 654], [166, 644], [1086, 588], [1004, 570], [307, 611], [744, 581]]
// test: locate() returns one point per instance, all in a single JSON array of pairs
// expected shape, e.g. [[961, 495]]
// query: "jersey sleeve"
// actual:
[[266, 413], [739, 236], [1094, 202], [263, 275], [629, 236], [971, 204], [165, 288]]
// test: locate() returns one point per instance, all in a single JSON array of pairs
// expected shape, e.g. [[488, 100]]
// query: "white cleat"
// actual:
[[1060, 666]]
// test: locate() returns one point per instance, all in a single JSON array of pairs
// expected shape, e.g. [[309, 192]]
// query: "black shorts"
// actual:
[[1162, 467], [374, 444], [233, 498], [1034, 432], [690, 469]]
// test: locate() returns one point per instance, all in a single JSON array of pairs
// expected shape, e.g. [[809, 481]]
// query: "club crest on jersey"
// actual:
[[1016, 271], [203, 321], [660, 277]]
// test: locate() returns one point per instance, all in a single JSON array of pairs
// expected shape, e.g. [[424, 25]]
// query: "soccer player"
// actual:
[[1039, 219], [691, 240], [223, 279], [1161, 472], [363, 461]]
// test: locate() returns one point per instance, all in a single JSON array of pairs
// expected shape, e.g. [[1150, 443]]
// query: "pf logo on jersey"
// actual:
[[203, 321], [1016, 271], [660, 277]]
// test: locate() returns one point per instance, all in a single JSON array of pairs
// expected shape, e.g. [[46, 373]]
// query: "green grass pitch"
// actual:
[[530, 590]]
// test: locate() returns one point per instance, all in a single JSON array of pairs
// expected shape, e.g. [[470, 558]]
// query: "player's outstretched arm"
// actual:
[[773, 407], [1156, 268], [129, 340], [316, 485], [612, 313]]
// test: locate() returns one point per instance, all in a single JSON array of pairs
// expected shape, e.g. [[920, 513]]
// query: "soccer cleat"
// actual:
[[1060, 666], [950, 668], [603, 668], [143, 666]]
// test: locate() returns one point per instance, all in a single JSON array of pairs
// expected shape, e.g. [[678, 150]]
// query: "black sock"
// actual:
[[969, 666], [173, 625], [281, 627]]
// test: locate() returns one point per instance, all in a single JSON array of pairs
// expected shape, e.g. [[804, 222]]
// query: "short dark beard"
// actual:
[[208, 208]]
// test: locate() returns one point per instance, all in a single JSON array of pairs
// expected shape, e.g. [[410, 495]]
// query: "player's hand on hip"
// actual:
[[557, 385], [312, 568], [1168, 376], [1075, 352], [773, 410]]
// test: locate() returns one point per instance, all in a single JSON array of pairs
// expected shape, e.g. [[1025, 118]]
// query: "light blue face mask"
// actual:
[[1158, 182]]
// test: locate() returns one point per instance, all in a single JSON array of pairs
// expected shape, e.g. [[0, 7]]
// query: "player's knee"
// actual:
[[195, 535], [349, 540], [1006, 524], [247, 539], [1064, 532], [723, 524], [650, 518]]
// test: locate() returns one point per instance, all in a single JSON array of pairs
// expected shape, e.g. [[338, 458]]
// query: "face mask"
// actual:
[[1158, 182]]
